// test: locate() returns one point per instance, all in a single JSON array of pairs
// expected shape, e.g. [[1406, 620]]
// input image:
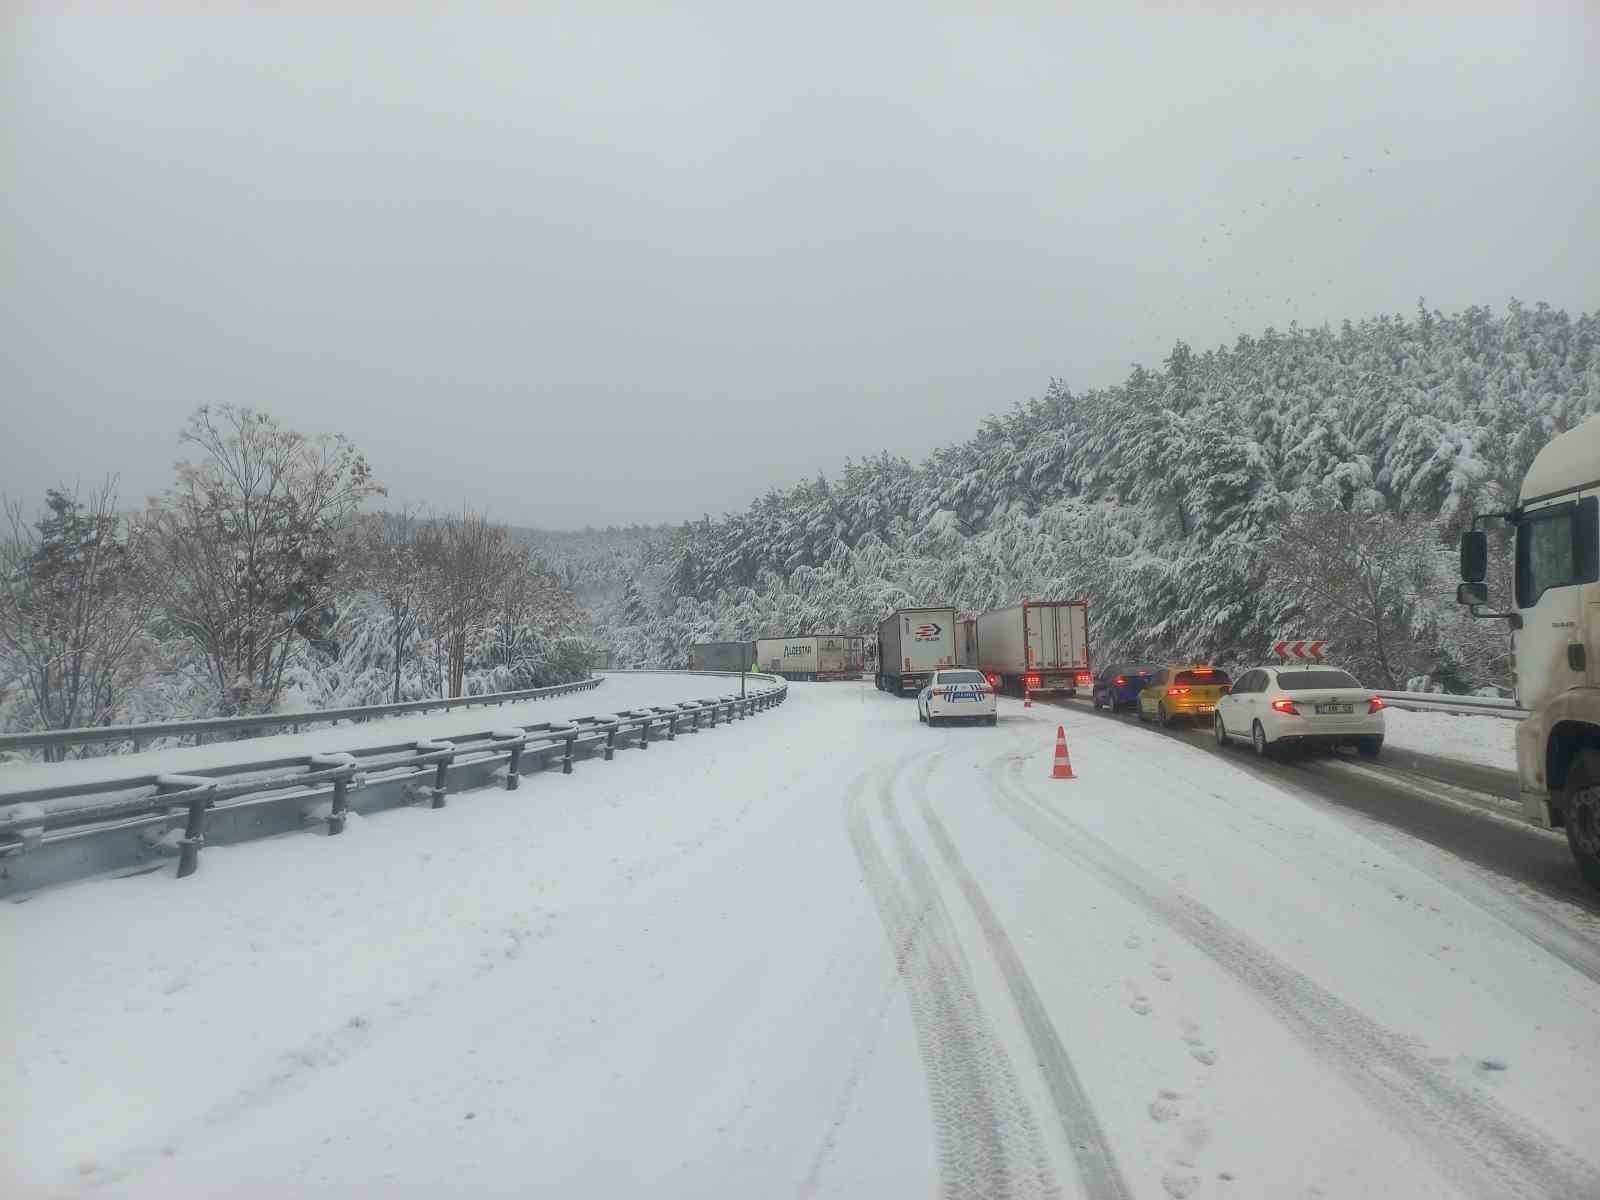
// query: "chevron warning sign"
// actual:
[[1301, 649]]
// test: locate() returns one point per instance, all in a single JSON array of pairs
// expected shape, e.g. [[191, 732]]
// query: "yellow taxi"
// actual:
[[1183, 693]]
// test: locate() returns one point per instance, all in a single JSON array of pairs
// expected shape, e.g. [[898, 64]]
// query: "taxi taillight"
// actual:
[[1177, 691]]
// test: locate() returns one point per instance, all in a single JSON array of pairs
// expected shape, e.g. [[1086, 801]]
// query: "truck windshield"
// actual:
[[1557, 547]]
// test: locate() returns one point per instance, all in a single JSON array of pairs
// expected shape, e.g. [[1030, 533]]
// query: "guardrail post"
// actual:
[[644, 734], [566, 760], [611, 742], [672, 728], [341, 787], [200, 794], [437, 791], [515, 737]]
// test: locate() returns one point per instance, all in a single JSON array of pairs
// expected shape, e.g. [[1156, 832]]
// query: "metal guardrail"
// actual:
[[54, 834], [197, 730], [1482, 706]]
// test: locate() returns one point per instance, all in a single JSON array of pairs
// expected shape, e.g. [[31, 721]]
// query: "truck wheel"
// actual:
[[1582, 810], [1368, 747]]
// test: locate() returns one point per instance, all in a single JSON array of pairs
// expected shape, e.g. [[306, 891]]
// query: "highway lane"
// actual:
[[1466, 810]]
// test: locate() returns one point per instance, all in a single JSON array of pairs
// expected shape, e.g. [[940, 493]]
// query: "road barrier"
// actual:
[[139, 736], [51, 835], [1482, 706]]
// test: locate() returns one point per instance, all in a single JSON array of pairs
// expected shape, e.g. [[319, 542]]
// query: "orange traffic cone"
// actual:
[[1027, 698], [1063, 767]]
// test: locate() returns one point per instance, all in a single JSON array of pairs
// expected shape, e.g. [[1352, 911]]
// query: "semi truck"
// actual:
[[813, 656], [1555, 635], [913, 643], [967, 643], [1038, 646], [721, 656]]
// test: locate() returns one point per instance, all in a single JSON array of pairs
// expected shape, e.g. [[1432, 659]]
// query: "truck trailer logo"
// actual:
[[927, 633]]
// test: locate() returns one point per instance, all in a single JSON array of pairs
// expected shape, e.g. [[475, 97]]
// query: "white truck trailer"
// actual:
[[913, 643], [813, 656], [1041, 646], [1555, 635]]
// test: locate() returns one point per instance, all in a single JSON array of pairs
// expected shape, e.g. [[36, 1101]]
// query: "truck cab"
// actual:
[[1555, 636]]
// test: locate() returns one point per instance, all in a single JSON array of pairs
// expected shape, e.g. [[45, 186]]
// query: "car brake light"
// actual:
[[1375, 704], [1183, 691], [1285, 705], [1121, 680], [994, 680]]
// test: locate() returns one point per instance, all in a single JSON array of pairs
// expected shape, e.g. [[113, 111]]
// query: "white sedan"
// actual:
[[1273, 707], [958, 695]]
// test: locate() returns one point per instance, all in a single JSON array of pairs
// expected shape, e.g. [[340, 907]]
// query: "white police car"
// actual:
[[958, 695]]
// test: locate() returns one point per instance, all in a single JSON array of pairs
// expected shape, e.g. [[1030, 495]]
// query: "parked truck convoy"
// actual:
[[1040, 646], [1555, 635], [913, 643], [813, 656]]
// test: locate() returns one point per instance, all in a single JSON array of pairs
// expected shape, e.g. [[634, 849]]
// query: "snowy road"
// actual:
[[1466, 812], [843, 955]]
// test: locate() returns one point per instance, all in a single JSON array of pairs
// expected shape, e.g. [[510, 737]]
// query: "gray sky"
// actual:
[[599, 264]]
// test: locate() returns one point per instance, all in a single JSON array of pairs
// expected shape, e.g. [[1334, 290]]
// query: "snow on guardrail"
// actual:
[[54, 834], [1483, 706]]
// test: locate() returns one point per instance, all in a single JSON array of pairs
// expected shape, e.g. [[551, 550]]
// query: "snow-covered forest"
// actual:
[[1307, 482], [267, 578]]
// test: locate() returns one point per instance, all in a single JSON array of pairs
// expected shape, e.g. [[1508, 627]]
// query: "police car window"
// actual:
[[962, 677]]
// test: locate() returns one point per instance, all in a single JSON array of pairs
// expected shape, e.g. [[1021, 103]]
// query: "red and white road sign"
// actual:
[[1304, 649]]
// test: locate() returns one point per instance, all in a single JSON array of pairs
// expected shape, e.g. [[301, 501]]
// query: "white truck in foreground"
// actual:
[[1555, 635]]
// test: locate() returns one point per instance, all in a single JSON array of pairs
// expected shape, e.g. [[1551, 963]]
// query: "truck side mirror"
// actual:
[[1474, 555], [1472, 593]]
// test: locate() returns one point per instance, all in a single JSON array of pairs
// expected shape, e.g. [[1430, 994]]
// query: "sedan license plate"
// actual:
[[1333, 710]]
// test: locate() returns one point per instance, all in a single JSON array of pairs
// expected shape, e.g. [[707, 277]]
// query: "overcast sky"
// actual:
[[596, 264]]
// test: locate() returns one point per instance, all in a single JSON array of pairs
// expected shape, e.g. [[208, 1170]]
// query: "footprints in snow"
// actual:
[[1187, 1136], [1198, 1050], [1141, 1003]]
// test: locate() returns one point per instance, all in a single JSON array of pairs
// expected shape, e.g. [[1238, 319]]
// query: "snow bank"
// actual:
[[1487, 741]]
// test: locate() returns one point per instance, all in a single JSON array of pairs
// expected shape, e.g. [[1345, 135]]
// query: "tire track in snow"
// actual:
[[988, 1144], [1485, 1150], [1097, 1166]]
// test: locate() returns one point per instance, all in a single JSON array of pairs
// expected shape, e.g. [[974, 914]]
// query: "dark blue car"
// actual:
[[1118, 686]]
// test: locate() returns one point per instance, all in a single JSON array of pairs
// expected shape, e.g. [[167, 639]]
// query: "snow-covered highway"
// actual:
[[841, 954]]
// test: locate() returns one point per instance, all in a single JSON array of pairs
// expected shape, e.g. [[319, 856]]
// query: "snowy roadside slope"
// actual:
[[615, 693], [1487, 741], [841, 955]]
